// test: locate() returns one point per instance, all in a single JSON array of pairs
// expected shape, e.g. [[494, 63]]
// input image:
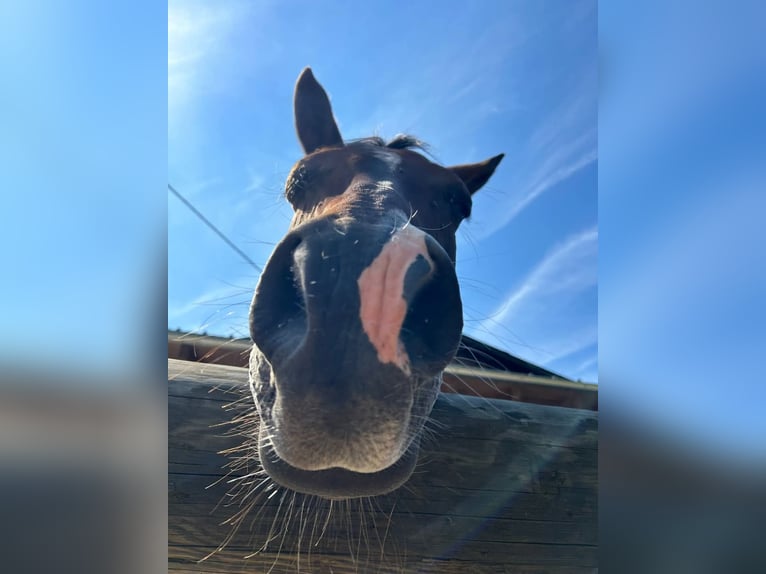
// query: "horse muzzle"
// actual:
[[353, 324]]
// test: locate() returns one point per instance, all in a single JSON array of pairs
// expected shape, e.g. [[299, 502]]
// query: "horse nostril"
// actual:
[[434, 321], [410, 302], [420, 272], [278, 310]]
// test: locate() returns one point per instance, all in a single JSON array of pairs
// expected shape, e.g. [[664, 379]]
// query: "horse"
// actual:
[[358, 310]]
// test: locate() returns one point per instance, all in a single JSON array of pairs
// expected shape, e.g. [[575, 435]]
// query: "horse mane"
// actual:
[[399, 141]]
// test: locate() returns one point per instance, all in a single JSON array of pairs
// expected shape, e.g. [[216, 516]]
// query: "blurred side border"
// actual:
[[681, 180]]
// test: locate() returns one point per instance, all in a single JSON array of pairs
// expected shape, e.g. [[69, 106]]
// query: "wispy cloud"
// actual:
[[428, 96], [568, 344], [564, 143], [560, 173], [255, 181], [586, 369], [198, 33], [557, 349], [538, 318], [570, 267], [222, 309], [192, 32], [217, 296]]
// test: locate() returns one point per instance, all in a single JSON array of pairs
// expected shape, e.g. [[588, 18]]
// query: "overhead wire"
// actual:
[[212, 226]]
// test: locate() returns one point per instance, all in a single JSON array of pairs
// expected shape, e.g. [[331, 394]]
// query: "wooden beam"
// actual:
[[482, 382], [501, 486]]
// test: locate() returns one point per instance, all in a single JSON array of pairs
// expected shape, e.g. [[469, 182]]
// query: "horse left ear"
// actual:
[[314, 122], [475, 175]]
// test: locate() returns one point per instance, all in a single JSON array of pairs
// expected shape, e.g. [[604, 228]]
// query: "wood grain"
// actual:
[[500, 487]]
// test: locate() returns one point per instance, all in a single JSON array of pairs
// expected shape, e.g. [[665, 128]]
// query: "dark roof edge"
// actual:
[[475, 353], [472, 353]]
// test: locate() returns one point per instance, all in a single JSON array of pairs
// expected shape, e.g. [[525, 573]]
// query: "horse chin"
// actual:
[[337, 483]]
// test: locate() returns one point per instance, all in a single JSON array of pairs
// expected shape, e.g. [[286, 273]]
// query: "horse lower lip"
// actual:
[[338, 483]]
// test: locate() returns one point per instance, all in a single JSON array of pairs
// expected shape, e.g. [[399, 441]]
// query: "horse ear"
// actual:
[[313, 115], [475, 175]]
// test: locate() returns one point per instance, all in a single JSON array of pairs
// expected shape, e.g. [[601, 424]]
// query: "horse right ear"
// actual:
[[314, 122], [475, 175]]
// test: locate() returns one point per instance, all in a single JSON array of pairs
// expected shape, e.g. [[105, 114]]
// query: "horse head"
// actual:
[[358, 310]]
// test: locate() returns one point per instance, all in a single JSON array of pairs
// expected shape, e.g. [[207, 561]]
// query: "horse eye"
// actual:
[[296, 184], [291, 191], [459, 208]]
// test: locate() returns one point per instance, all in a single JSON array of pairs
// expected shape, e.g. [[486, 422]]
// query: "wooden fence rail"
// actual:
[[500, 487]]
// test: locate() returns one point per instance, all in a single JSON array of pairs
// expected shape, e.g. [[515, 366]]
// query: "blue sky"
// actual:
[[471, 79]]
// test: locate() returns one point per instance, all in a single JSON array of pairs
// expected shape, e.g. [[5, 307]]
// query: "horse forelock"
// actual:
[[399, 141]]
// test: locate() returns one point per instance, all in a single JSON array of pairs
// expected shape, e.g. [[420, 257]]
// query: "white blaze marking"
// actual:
[[381, 293]]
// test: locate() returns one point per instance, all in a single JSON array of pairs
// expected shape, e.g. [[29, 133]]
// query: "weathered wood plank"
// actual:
[[501, 487], [495, 381]]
